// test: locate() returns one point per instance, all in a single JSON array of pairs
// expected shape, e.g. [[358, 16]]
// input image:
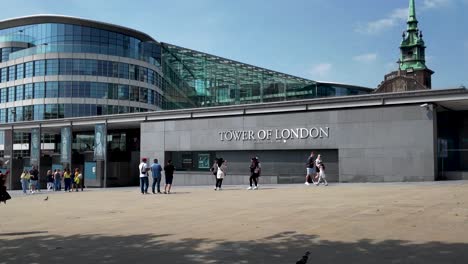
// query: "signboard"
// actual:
[[203, 161], [275, 134], [35, 146], [65, 145], [100, 142]]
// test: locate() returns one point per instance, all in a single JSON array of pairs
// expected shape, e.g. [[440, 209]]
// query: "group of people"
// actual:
[[315, 170], [219, 170], [73, 181], [156, 170]]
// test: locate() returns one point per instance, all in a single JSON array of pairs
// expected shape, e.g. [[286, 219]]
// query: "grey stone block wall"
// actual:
[[375, 144]]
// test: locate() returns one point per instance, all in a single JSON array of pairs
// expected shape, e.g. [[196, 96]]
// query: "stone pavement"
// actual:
[[341, 223]]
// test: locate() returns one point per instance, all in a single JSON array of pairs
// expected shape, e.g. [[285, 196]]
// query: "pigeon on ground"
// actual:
[[47, 198], [304, 258]]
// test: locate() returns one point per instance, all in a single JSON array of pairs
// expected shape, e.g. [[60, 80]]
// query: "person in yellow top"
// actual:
[[67, 179], [77, 180], [24, 178]]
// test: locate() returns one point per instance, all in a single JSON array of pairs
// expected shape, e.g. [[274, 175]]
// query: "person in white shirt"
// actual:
[[222, 170], [318, 160], [143, 171], [322, 176]]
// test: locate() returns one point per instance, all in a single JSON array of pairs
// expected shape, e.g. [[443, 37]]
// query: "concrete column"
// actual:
[[8, 156], [66, 146], [100, 152]]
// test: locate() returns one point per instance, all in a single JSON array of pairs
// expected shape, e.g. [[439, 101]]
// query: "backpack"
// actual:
[[143, 169]]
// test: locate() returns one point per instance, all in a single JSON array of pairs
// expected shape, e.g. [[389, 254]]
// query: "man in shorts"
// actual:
[[311, 169]]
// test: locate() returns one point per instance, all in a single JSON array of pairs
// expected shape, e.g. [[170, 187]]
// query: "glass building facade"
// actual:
[[57, 67]]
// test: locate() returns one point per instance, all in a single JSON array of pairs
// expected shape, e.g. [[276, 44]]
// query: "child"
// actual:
[[321, 175]]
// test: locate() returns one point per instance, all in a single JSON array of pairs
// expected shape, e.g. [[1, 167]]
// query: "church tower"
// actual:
[[413, 74]]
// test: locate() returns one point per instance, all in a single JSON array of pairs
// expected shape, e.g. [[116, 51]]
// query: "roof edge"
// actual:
[[54, 18]]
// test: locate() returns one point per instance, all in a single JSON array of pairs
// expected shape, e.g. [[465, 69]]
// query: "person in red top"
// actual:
[[4, 196]]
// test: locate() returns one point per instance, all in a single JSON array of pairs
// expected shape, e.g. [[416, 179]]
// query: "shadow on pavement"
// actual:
[[282, 248]]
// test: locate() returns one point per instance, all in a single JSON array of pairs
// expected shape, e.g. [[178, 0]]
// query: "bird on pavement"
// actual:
[[47, 198]]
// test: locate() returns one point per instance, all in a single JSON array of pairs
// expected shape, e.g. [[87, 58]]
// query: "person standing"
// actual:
[[57, 180], [35, 178], [67, 179], [24, 178], [311, 169], [4, 195], [144, 168], [78, 180], [50, 180], [255, 170], [169, 171], [221, 173], [156, 172]]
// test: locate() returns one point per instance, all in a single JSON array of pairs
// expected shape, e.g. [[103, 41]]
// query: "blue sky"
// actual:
[[349, 41]]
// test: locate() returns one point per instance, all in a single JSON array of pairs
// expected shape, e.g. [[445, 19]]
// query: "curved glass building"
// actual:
[[57, 67]]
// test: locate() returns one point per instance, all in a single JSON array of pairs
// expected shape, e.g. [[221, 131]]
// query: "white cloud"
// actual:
[[377, 26], [321, 70], [366, 58], [428, 4]]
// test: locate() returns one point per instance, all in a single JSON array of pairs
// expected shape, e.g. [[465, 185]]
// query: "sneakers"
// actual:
[[255, 188], [250, 188], [307, 183], [216, 188]]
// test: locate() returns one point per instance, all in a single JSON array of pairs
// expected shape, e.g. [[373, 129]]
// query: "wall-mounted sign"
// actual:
[[275, 134]]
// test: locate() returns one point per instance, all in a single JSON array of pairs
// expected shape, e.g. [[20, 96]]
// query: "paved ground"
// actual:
[[345, 223]]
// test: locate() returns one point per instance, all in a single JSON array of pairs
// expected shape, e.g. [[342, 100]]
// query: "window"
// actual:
[[51, 90], [123, 92], [134, 93], [4, 75], [11, 94], [11, 73], [19, 71], [3, 95], [28, 113], [52, 67], [38, 112], [29, 69], [3, 115], [19, 93], [143, 95], [28, 91], [39, 68], [39, 91], [123, 70]]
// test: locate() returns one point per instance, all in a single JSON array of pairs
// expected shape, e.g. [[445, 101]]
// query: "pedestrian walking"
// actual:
[[317, 171], [156, 172], [214, 170], [311, 169], [221, 173], [67, 179], [322, 176], [24, 178], [255, 171], [169, 171], [50, 180], [143, 171], [57, 180], [4, 195]]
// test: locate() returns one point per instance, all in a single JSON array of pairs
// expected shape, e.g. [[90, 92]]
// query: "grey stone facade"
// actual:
[[375, 144]]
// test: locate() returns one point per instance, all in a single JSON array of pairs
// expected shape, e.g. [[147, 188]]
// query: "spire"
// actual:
[[412, 21]]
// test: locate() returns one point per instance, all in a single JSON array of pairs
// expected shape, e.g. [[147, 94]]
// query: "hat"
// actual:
[[144, 159]]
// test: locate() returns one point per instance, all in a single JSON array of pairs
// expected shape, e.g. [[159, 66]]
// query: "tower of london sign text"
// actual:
[[275, 134]]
